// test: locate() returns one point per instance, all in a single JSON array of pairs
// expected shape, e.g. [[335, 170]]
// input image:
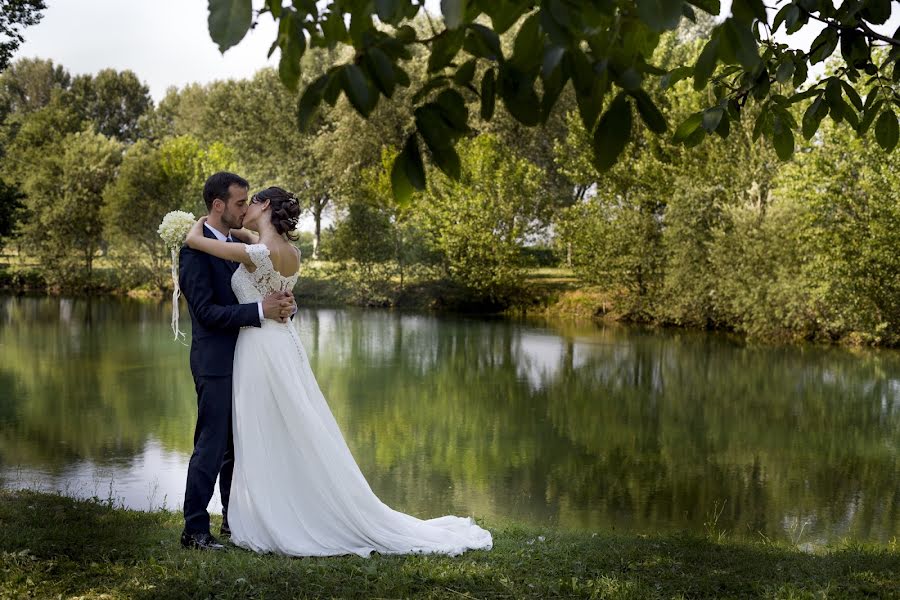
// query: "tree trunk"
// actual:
[[318, 209]]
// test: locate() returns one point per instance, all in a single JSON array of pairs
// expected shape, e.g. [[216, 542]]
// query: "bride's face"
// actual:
[[257, 209]]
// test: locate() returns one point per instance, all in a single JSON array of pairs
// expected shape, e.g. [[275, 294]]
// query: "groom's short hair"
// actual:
[[217, 185]]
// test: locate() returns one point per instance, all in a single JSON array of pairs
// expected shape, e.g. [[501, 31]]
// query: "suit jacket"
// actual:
[[216, 316]]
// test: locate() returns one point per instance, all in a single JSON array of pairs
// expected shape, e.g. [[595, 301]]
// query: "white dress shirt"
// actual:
[[224, 238]]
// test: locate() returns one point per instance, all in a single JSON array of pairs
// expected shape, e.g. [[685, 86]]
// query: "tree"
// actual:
[[14, 16], [479, 222], [63, 226], [151, 182], [10, 209], [605, 49], [29, 83], [113, 100]]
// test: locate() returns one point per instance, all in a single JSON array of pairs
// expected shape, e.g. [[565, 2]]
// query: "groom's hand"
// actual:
[[278, 306]]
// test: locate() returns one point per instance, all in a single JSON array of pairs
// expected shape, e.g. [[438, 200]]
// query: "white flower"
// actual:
[[175, 227]]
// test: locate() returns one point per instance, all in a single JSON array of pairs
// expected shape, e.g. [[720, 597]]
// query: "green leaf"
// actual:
[[454, 110], [876, 11], [401, 76], [660, 15], [612, 133], [465, 73], [293, 45], [359, 90], [552, 58], [453, 11], [687, 128], [334, 29], [785, 71], [741, 43], [408, 172], [674, 76], [712, 117], [309, 102], [488, 88], [651, 115], [578, 67], [706, 63], [229, 21], [762, 121], [517, 91], [528, 46], [589, 107], [813, 116], [709, 6], [869, 117], [823, 46], [334, 86], [800, 73], [444, 49], [781, 16], [503, 13], [854, 48], [852, 96], [389, 11], [439, 139], [747, 10], [886, 130], [483, 42], [783, 140], [724, 127], [383, 70], [405, 34]]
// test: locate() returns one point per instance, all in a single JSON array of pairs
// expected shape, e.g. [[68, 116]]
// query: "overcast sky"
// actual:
[[166, 42]]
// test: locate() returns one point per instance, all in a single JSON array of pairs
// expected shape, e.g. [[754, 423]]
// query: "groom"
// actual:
[[216, 318]]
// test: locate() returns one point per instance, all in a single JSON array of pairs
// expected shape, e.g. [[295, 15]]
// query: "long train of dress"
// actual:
[[297, 489]]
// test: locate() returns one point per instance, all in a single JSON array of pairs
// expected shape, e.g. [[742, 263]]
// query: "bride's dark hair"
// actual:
[[285, 209]]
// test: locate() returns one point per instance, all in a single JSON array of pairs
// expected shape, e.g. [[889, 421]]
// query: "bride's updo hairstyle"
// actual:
[[285, 209]]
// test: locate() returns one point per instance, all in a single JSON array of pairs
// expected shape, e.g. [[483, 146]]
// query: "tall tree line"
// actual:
[[722, 235]]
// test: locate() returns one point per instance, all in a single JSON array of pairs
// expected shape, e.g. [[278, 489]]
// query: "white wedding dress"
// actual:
[[296, 488]]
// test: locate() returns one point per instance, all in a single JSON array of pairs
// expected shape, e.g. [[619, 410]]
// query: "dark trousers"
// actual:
[[213, 453]]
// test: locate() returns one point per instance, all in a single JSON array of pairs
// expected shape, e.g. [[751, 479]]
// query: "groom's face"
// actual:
[[236, 207]]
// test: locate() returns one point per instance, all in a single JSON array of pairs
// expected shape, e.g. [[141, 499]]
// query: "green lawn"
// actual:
[[56, 547]]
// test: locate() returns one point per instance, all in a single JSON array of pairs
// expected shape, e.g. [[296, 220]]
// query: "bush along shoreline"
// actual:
[[53, 546], [547, 292]]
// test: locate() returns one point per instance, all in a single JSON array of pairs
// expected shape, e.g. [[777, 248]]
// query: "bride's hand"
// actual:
[[195, 232]]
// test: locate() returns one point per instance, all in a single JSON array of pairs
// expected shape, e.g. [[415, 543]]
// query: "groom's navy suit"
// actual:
[[216, 319]]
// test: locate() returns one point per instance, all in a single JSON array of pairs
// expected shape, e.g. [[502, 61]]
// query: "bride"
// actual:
[[296, 488]]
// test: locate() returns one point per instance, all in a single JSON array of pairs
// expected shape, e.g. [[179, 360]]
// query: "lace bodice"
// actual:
[[252, 287]]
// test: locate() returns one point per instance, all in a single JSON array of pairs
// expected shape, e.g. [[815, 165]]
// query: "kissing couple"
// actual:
[[288, 481]]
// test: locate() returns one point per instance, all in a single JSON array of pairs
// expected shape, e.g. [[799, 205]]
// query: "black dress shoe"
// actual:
[[200, 541], [225, 531]]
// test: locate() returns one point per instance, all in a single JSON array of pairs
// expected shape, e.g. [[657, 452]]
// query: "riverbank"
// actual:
[[53, 546], [544, 292]]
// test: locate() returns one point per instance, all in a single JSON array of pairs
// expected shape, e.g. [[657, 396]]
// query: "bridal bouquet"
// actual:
[[173, 230]]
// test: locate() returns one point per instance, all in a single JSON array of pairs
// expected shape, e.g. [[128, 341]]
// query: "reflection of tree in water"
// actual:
[[680, 423], [586, 427], [624, 429], [90, 388]]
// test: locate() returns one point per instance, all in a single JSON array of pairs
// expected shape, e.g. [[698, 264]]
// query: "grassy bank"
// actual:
[[56, 547]]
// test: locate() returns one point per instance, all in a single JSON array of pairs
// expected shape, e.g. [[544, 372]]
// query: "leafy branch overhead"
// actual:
[[604, 48]]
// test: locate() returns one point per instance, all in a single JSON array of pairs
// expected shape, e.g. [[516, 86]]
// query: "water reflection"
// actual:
[[578, 426]]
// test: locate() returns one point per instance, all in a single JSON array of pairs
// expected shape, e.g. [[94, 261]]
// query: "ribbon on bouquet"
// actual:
[[176, 293]]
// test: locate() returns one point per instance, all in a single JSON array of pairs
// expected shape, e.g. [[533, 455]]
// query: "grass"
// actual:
[[52, 546]]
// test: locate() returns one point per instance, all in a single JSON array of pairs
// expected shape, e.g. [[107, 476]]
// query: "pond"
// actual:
[[580, 426]]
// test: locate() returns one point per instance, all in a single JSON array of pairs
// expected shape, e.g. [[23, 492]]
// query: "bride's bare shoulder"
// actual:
[[285, 257]]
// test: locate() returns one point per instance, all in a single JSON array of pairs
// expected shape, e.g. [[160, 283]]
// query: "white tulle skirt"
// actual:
[[297, 489]]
